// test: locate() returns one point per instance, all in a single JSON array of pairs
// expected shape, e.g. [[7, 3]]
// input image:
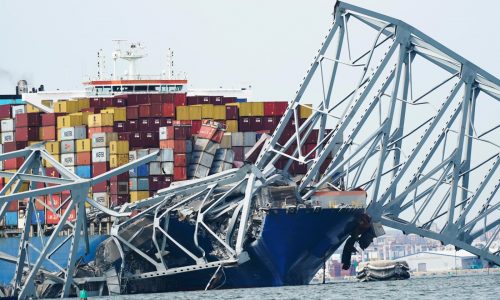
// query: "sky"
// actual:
[[230, 43]]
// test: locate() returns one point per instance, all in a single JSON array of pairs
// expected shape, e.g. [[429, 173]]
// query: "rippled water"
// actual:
[[451, 287]]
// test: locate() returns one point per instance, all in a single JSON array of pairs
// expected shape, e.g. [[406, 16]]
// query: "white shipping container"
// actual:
[[198, 171], [102, 139], [68, 146], [7, 125], [206, 145], [237, 139], [163, 133], [249, 138], [226, 141], [68, 159], [142, 152], [101, 198], [167, 168], [132, 155], [224, 155], [202, 158], [18, 109], [166, 155], [152, 150], [100, 154], [7, 137], [73, 133], [155, 168]]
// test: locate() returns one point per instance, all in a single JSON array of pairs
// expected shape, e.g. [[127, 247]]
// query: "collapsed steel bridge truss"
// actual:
[[399, 115]]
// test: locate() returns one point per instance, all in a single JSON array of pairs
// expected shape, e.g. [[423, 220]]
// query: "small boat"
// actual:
[[382, 270]]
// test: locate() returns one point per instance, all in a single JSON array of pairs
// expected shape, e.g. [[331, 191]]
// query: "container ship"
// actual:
[[197, 133]]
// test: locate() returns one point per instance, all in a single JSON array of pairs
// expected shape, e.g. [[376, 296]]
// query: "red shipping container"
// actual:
[[167, 144], [106, 102], [313, 137], [13, 163], [13, 146], [270, 123], [52, 217], [52, 172], [119, 101], [142, 99], [239, 153], [28, 120], [132, 125], [195, 126], [50, 119], [145, 111], [135, 140], [117, 200], [143, 124], [101, 187], [167, 98], [168, 110], [92, 130], [180, 146], [155, 98], [325, 164], [182, 132], [180, 160], [227, 100], [180, 173], [95, 102], [84, 158], [149, 139], [99, 168], [275, 109], [13, 205], [180, 99], [156, 110], [218, 136], [124, 136], [256, 123], [207, 132], [120, 126], [132, 100], [216, 100], [156, 123], [232, 112], [72, 215], [5, 111], [48, 133], [193, 100], [121, 177], [183, 122], [132, 112], [245, 124], [158, 182], [118, 187], [27, 134]]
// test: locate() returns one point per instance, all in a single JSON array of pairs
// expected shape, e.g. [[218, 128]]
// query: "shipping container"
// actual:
[[195, 112], [48, 133], [65, 106], [69, 121], [73, 133], [119, 147], [103, 139], [83, 171], [138, 195], [116, 160], [27, 134], [100, 154], [38, 217], [119, 187], [180, 173], [28, 120], [68, 146], [11, 218], [84, 158], [305, 111], [100, 120], [7, 125], [119, 113], [231, 112], [50, 119], [68, 159], [18, 109], [7, 137]]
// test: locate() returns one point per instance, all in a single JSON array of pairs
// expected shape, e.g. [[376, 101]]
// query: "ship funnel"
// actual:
[[22, 87]]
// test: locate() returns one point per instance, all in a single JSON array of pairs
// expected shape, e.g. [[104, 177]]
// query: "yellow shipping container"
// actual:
[[245, 109], [219, 112], [119, 113], [138, 195], [32, 109], [116, 160], [83, 145], [207, 111], [118, 147], [305, 111], [100, 120], [257, 109], [46, 164], [71, 120], [53, 147], [65, 106], [182, 113], [83, 103], [231, 125], [195, 112]]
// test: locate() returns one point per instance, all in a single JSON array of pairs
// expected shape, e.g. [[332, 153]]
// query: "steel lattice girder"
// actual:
[[430, 172]]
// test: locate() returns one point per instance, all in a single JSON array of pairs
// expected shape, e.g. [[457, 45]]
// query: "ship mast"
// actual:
[[131, 55]]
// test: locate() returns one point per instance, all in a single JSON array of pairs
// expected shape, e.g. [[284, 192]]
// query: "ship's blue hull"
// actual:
[[290, 251]]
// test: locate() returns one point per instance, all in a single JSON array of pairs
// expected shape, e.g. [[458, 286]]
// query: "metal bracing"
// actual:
[[429, 163]]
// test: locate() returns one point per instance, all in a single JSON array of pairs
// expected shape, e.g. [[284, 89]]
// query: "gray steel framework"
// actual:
[[428, 162]]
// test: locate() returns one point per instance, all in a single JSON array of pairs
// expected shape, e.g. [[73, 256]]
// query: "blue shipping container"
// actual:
[[241, 100], [140, 171], [83, 171], [12, 101], [41, 217], [11, 218]]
